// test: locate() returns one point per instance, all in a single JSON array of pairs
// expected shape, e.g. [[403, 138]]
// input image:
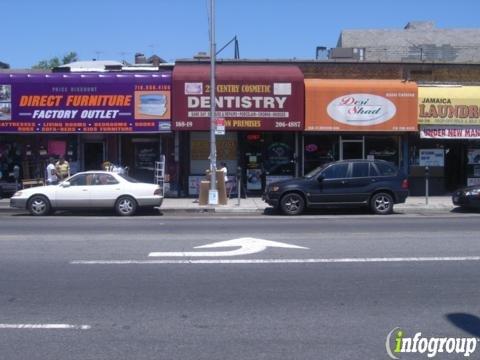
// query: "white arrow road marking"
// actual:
[[246, 246], [274, 261], [45, 326]]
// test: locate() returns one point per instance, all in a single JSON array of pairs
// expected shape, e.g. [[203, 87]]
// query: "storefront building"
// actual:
[[262, 110], [449, 138], [122, 118], [358, 119]]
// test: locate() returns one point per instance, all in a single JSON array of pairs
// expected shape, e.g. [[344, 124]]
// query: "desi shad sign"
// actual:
[[360, 105], [361, 109], [75, 103]]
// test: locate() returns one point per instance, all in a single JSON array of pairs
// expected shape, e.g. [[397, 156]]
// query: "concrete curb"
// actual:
[[232, 210], [212, 210]]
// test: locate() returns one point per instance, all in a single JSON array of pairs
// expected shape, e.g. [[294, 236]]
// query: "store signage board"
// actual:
[[473, 181], [431, 157], [360, 105], [247, 97], [85, 103], [473, 156], [449, 105]]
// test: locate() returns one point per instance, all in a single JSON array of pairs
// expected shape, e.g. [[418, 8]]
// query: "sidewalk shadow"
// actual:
[[466, 322], [270, 211], [98, 212], [463, 210]]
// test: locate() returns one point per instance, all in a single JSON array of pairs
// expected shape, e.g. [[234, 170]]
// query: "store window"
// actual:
[[319, 150], [383, 148], [227, 148], [200, 152], [31, 153], [279, 154]]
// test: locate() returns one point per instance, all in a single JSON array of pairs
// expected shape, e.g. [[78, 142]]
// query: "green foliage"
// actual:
[[54, 62]]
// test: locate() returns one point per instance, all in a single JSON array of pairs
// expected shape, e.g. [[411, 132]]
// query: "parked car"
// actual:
[[375, 183], [90, 190], [467, 197]]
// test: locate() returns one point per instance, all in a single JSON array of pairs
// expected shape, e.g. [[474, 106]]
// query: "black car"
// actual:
[[467, 197], [375, 183]]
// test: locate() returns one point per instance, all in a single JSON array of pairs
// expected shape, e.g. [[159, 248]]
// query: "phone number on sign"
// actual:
[[288, 124]]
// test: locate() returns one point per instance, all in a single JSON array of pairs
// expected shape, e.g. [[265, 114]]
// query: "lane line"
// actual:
[[45, 326], [275, 261]]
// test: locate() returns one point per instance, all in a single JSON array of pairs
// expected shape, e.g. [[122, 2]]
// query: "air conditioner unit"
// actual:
[[347, 53]]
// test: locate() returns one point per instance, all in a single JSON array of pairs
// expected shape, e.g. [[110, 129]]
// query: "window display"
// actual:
[[319, 150], [383, 148], [30, 154]]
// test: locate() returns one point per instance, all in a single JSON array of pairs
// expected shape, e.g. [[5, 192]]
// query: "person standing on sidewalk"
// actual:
[[63, 168], [52, 176], [225, 170]]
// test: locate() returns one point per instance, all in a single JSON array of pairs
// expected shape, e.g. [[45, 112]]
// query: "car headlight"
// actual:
[[18, 193], [275, 188], [473, 192]]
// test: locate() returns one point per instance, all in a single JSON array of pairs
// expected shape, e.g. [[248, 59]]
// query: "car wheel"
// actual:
[[126, 206], [292, 204], [39, 205], [382, 203]]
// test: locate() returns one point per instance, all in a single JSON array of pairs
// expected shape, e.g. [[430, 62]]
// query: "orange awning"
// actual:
[[360, 105]]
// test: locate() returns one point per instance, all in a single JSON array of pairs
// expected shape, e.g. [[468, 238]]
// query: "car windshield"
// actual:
[[128, 178], [315, 171]]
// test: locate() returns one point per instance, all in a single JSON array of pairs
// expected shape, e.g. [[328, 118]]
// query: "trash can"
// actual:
[[205, 188], [203, 196]]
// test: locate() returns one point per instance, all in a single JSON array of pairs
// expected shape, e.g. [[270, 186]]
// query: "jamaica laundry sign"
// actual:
[[449, 112], [85, 103], [449, 105]]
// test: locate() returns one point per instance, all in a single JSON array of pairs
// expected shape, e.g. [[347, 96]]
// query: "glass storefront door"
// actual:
[[267, 157], [93, 155], [352, 149]]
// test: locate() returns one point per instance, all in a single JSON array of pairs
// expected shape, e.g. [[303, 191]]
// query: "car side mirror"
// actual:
[[320, 178], [65, 184]]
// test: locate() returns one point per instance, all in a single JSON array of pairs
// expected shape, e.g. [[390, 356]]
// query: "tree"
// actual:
[[54, 62]]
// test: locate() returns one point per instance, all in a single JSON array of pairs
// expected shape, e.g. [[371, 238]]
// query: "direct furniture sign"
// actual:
[[85, 103]]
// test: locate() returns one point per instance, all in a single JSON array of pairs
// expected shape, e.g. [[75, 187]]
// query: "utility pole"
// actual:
[[213, 193]]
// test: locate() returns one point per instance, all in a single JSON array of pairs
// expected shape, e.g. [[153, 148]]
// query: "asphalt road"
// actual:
[[355, 279]]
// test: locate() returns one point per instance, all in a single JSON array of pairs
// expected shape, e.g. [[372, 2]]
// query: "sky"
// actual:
[[34, 30]]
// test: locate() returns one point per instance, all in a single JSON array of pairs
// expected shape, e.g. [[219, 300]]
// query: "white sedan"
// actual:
[[87, 190]]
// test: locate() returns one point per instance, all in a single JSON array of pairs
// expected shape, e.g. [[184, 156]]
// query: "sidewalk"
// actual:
[[254, 205]]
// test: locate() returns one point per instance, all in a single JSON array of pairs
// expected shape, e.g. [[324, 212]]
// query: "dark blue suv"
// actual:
[[374, 183]]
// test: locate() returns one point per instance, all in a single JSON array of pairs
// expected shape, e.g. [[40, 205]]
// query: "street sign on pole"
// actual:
[[220, 128]]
